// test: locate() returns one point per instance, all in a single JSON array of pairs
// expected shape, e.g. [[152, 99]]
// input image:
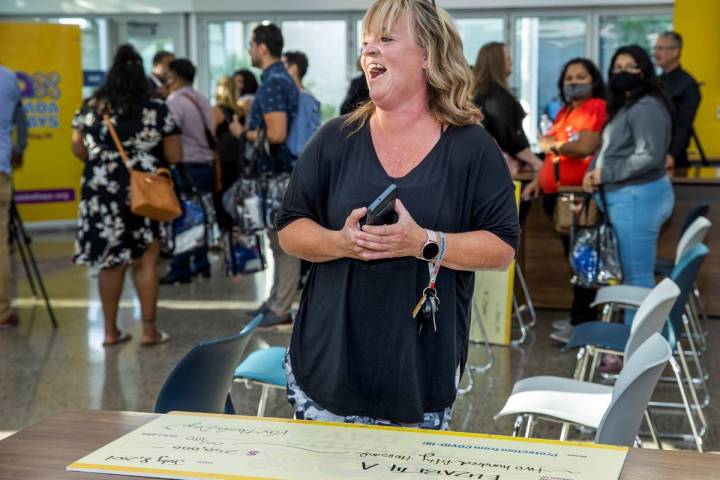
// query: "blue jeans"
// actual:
[[637, 213], [195, 261]]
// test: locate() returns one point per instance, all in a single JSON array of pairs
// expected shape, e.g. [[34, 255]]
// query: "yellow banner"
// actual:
[[46, 60]]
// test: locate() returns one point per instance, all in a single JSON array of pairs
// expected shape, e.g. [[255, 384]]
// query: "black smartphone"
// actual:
[[382, 210]]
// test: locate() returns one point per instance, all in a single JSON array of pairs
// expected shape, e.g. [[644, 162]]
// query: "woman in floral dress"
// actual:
[[109, 236]]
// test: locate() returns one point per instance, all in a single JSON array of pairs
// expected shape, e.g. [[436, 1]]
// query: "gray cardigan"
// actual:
[[634, 144]]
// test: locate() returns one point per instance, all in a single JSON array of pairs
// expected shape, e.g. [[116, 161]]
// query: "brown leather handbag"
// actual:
[[152, 195], [574, 205]]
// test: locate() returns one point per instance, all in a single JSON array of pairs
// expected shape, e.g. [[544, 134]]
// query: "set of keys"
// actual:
[[429, 303]]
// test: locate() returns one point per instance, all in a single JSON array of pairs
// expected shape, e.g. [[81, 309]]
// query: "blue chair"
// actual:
[[603, 337], [202, 380], [263, 367], [664, 266]]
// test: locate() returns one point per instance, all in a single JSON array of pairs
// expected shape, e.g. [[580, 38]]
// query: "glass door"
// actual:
[[149, 34]]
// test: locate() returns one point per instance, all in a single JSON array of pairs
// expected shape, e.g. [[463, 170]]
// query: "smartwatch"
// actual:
[[431, 248]]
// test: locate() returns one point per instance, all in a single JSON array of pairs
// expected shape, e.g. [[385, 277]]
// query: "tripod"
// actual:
[[20, 235]]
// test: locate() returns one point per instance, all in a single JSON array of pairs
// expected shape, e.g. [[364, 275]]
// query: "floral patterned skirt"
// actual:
[[108, 233]]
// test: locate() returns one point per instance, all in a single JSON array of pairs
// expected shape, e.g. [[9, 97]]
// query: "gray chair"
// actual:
[[632, 392], [600, 407]]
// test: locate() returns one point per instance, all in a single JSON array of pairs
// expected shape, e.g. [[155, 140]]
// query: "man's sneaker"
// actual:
[[561, 324], [564, 334], [172, 279], [272, 322]]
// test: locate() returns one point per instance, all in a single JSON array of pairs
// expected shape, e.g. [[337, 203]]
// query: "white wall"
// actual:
[[76, 7]]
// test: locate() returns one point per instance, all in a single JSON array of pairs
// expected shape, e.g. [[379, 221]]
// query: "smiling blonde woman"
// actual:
[[371, 343]]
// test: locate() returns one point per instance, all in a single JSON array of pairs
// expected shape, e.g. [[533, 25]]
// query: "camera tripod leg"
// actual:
[[26, 254], [20, 244]]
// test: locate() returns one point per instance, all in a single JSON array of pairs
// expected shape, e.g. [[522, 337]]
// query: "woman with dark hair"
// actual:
[[109, 236], [630, 166], [245, 87], [503, 113], [569, 148]]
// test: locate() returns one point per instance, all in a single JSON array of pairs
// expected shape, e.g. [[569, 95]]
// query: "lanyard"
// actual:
[[434, 267]]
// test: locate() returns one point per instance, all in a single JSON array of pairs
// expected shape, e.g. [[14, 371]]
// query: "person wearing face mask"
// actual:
[[503, 113], [630, 166], [358, 354], [569, 148]]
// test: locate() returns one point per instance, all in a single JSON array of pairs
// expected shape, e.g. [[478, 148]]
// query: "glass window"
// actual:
[[616, 31], [227, 51], [148, 38], [325, 44], [476, 32], [535, 78]]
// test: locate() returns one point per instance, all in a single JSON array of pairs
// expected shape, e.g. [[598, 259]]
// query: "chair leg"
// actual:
[[595, 361], [653, 430], [582, 362], [526, 294], [263, 400], [521, 323], [698, 366], [471, 381], [607, 312], [688, 410], [701, 308], [530, 427], [694, 329], [693, 392], [565, 432], [518, 426]]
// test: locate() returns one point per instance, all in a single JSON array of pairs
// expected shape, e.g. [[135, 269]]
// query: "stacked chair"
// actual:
[[686, 330], [615, 412]]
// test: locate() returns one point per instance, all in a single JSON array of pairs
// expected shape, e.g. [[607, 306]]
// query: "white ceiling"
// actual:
[[89, 7]]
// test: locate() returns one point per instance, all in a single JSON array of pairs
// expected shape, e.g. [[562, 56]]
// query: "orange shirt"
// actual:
[[589, 116]]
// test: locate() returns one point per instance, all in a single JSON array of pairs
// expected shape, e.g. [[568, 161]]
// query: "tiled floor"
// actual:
[[43, 371]]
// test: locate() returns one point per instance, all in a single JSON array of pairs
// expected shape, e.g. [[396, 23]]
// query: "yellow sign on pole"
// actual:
[[492, 302], [46, 60]]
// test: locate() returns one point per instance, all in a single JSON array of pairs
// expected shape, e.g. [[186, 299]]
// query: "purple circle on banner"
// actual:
[[26, 85]]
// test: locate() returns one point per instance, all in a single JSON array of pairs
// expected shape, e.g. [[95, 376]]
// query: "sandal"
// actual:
[[121, 338], [164, 337]]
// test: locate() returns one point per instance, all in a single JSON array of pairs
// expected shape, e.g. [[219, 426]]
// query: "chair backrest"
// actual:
[[201, 381], [699, 210], [652, 315], [632, 391], [694, 234], [684, 275]]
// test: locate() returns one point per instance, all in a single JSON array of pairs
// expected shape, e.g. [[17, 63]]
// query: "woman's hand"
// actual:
[[348, 237], [547, 143], [235, 127], [531, 190], [591, 180], [402, 239]]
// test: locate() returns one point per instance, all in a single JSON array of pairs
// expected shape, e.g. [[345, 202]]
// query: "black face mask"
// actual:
[[626, 81]]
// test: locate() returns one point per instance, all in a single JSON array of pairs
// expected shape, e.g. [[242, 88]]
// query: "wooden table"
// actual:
[[44, 450]]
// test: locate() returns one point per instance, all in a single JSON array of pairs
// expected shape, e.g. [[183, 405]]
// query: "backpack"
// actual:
[[306, 122]]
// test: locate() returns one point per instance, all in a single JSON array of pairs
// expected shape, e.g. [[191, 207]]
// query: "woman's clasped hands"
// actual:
[[405, 238]]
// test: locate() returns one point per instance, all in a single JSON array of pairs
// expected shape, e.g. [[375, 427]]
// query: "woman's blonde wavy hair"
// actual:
[[225, 95], [449, 79]]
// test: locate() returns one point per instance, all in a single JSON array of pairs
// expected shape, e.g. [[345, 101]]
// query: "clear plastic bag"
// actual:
[[190, 227], [595, 253]]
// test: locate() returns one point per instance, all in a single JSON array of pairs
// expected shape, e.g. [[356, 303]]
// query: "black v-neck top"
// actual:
[[355, 349]]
